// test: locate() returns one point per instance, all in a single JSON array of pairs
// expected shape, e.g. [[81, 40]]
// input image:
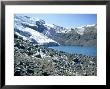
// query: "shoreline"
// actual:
[[34, 60]]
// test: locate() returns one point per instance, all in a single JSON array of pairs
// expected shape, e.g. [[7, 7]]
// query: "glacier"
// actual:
[[27, 33]]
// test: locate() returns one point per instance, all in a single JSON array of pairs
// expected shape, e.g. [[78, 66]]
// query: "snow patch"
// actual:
[[50, 25]]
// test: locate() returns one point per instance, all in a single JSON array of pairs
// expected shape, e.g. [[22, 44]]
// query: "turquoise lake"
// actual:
[[90, 51]]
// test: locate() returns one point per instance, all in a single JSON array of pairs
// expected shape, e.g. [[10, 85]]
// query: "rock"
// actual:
[[17, 73], [76, 60], [30, 71], [28, 61], [45, 74]]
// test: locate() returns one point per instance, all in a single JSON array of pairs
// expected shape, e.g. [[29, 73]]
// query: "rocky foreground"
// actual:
[[34, 60]]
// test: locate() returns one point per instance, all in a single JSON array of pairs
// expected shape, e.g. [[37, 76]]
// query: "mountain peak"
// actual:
[[80, 30]]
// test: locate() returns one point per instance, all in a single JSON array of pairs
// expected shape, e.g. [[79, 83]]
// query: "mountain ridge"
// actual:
[[51, 33]]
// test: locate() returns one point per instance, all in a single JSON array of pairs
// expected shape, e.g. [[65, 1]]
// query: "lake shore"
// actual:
[[34, 60]]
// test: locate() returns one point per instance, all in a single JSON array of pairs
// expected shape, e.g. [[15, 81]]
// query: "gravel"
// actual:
[[35, 60]]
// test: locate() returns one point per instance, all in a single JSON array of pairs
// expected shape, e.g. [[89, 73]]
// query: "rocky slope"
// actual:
[[35, 60], [81, 36]]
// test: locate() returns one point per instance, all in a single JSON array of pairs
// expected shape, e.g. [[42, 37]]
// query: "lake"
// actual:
[[90, 51]]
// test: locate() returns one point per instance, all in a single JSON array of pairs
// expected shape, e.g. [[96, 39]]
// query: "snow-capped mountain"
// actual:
[[87, 28], [40, 32], [59, 29], [26, 28]]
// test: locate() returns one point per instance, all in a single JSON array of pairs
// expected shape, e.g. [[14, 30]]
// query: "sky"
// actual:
[[67, 20]]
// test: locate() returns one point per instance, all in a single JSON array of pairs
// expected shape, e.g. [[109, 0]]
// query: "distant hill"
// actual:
[[83, 36]]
